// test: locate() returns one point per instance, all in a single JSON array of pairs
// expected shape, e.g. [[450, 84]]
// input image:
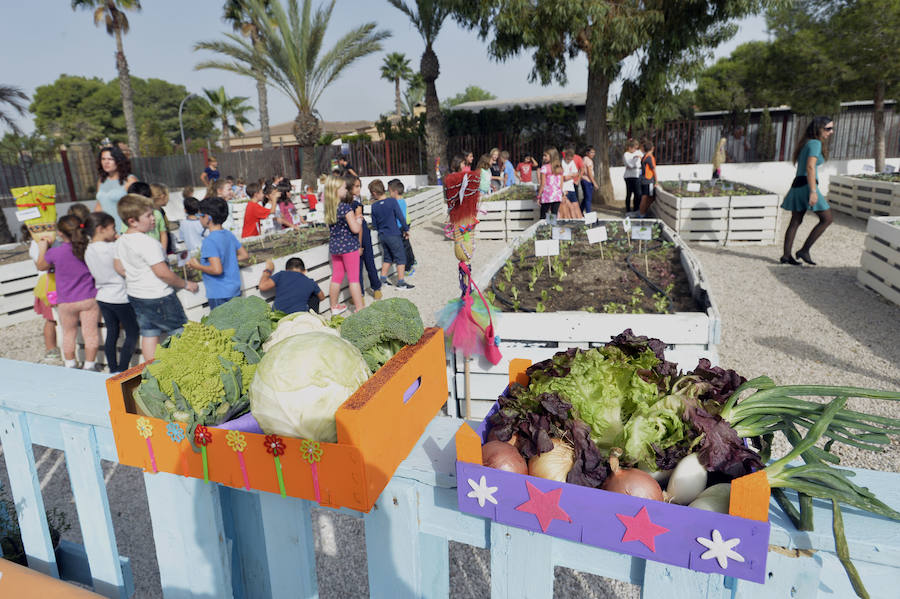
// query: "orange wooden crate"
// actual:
[[376, 430]]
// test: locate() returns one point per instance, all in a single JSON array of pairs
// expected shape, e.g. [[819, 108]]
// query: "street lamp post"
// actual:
[[183, 145]]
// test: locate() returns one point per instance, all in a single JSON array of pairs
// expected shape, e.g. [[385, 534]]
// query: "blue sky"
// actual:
[[52, 39]]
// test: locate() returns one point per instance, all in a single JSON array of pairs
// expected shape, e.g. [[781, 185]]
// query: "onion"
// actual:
[[630, 481], [554, 464], [714, 499], [503, 456], [687, 481]]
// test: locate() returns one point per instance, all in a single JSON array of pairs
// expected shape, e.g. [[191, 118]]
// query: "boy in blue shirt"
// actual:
[[294, 291], [390, 224], [396, 189], [509, 171], [219, 254]]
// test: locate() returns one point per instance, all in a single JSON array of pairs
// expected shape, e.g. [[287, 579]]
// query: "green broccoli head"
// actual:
[[380, 330]]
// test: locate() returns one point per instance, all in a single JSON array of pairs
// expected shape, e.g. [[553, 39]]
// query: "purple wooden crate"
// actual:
[[664, 532]]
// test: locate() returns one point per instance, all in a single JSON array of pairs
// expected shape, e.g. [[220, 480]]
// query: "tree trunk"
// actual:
[[878, 121], [5, 235], [127, 99], [307, 131], [435, 136], [226, 139], [263, 95], [397, 98], [596, 132]]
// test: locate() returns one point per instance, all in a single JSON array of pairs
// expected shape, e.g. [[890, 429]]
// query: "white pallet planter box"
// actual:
[[863, 198], [689, 335], [503, 219], [17, 281], [721, 219], [426, 206], [879, 267]]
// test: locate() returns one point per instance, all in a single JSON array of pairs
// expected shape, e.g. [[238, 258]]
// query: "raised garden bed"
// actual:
[[863, 196], [18, 276], [508, 212], [879, 267], [724, 213], [691, 331]]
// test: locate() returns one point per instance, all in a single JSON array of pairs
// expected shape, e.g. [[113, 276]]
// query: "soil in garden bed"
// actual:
[[518, 192], [720, 187], [886, 177], [582, 279], [17, 253]]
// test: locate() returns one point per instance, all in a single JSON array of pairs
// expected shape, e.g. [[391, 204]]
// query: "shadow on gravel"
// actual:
[[860, 313]]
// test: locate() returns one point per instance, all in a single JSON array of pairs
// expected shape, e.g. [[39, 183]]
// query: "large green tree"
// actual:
[[666, 38], [428, 16], [839, 50], [76, 108], [111, 13], [238, 13], [295, 64], [395, 68], [230, 111], [472, 93], [749, 78]]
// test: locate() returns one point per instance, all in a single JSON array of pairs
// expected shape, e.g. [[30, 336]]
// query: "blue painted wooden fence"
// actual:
[[214, 541]]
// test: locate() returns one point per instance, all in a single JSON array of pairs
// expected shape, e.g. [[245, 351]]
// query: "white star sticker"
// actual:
[[720, 549], [482, 492]]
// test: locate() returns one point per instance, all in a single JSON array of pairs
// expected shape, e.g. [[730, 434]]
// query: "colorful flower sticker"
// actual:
[[145, 429], [202, 436], [720, 549], [175, 432], [311, 451], [274, 445], [236, 440]]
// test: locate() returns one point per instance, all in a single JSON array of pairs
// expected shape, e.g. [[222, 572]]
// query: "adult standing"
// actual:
[[588, 183], [115, 177], [632, 159], [719, 159], [211, 173], [804, 194]]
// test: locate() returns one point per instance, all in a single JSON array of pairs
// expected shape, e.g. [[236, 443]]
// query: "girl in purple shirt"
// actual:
[[75, 291]]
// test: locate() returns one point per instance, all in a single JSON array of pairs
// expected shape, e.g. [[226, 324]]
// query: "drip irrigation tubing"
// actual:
[[514, 259]]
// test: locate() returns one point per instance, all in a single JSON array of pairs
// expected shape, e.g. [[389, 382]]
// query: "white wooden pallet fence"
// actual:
[[863, 197], [879, 267], [502, 219], [723, 220]]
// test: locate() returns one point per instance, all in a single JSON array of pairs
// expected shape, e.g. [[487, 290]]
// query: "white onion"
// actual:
[[714, 499], [687, 481], [555, 464]]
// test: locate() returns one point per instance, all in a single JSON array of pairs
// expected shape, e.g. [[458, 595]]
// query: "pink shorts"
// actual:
[[345, 263], [43, 309]]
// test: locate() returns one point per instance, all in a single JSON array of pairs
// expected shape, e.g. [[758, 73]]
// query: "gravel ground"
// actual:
[[796, 324]]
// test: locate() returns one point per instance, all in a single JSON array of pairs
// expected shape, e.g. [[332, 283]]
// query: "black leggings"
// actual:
[[632, 190], [550, 207], [115, 315]]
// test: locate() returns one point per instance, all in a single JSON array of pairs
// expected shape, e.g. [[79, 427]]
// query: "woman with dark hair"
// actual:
[[804, 194], [114, 169]]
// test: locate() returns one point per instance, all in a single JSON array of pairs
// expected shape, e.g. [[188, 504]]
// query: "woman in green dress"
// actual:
[[804, 193]]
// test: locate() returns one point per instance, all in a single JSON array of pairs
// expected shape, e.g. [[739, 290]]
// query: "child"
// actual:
[[256, 210], [286, 212], [569, 207], [588, 183], [158, 232], [79, 210], [160, 196], [386, 215], [219, 255], [310, 198], [525, 167], [240, 188], [100, 257], [191, 228], [366, 254], [509, 172], [44, 300], [632, 159], [149, 281], [211, 173], [223, 189], [484, 171], [396, 187], [344, 228], [294, 291], [75, 290], [648, 179], [550, 189]]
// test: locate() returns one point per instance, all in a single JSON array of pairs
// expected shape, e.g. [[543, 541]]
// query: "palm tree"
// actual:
[[394, 68], [241, 19], [15, 97], [428, 16], [230, 111], [294, 62], [415, 93], [110, 13]]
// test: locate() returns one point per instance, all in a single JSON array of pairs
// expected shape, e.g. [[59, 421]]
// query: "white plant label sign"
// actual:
[[642, 232], [29, 214], [626, 224], [546, 247], [868, 168], [596, 235], [693, 187], [561, 233], [590, 218], [889, 168]]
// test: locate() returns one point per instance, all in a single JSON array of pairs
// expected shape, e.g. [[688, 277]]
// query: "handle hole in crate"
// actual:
[[408, 394]]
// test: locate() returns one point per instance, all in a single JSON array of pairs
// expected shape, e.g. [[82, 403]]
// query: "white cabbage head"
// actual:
[[295, 324]]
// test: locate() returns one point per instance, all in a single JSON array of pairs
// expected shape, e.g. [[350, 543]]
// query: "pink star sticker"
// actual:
[[544, 505], [640, 528]]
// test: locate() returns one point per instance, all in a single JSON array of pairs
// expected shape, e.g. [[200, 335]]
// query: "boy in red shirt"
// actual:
[[255, 210], [310, 198], [525, 167]]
